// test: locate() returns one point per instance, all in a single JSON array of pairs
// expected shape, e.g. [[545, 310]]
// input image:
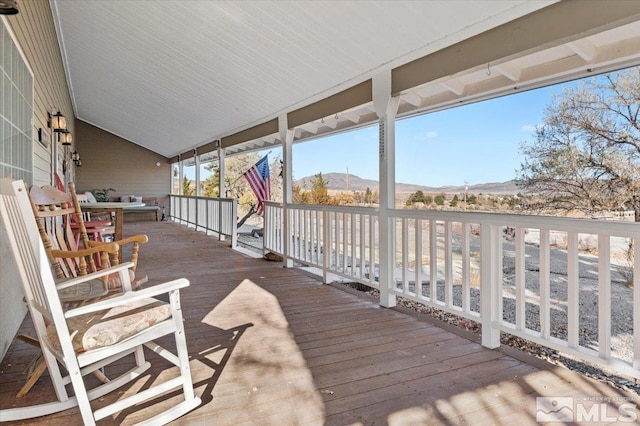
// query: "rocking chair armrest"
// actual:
[[143, 239], [111, 248], [129, 296], [101, 273]]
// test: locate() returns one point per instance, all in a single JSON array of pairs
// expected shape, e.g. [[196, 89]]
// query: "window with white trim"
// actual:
[[16, 110]]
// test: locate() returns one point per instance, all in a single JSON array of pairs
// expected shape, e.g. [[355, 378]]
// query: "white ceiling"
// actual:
[[173, 75]]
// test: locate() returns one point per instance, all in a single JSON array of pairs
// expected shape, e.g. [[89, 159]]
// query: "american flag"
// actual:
[[260, 182]]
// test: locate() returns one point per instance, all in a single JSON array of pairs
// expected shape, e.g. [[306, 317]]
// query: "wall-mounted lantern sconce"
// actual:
[[76, 159], [65, 137], [57, 121], [8, 7]]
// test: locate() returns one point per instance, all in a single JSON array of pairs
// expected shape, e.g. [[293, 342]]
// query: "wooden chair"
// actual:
[[56, 212], [97, 230], [86, 338], [134, 241]]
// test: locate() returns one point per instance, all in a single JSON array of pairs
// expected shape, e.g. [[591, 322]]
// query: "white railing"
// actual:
[[339, 240], [211, 215], [273, 235], [562, 283]]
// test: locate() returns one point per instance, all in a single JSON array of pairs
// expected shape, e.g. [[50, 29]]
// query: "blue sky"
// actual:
[[476, 143]]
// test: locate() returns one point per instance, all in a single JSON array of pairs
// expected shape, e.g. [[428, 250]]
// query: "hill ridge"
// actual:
[[338, 182]]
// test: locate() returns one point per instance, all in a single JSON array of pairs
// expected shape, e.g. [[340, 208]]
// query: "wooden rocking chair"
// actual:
[[86, 338], [56, 213]]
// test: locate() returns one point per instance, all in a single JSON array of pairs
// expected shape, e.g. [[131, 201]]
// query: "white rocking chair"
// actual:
[[90, 337]]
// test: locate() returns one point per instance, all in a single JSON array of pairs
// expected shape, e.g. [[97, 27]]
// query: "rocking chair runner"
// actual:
[[92, 336]]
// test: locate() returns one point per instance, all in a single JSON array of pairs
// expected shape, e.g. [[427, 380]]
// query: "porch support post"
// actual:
[[386, 108], [181, 187], [286, 137], [196, 214], [222, 190], [222, 194], [196, 157], [490, 299]]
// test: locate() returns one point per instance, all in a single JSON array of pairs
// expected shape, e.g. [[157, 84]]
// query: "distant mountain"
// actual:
[[343, 182]]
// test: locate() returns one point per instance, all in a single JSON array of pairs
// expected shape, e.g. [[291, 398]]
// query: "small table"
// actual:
[[115, 207]]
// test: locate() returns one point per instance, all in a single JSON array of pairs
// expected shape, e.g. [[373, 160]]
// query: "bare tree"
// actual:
[[586, 155]]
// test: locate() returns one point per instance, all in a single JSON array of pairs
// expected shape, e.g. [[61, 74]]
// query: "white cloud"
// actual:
[[528, 128], [432, 135]]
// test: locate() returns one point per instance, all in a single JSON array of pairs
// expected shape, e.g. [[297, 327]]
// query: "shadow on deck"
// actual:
[[273, 346]]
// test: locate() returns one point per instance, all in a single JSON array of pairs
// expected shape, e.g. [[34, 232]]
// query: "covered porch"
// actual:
[[273, 345]]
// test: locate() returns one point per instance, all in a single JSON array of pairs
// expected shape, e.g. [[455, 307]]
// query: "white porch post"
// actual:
[[180, 186], [196, 160], [222, 189], [180, 176], [286, 136], [196, 157], [386, 108]]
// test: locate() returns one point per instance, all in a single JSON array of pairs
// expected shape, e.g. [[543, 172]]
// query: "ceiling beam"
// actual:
[[453, 86], [412, 98], [510, 71], [351, 116], [583, 48]]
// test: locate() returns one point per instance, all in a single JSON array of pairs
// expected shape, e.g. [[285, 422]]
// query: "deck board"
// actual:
[[273, 346]]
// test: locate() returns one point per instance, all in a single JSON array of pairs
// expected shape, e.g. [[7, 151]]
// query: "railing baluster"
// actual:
[[313, 223], [345, 243], [298, 233], [499, 248], [305, 235], [324, 249], [405, 255], [604, 296], [466, 268], [520, 302], [373, 239], [418, 258], [448, 265], [573, 286], [636, 303], [545, 284], [433, 261], [338, 242], [363, 257], [353, 245]]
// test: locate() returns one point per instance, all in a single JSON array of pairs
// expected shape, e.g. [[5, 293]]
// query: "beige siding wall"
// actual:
[[109, 161], [36, 36]]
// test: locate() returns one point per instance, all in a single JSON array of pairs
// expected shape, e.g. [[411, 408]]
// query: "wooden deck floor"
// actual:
[[273, 346]]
